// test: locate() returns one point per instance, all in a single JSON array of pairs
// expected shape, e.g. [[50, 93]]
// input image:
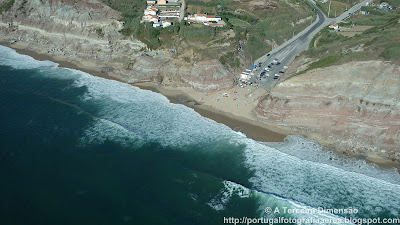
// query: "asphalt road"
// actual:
[[286, 53], [182, 10]]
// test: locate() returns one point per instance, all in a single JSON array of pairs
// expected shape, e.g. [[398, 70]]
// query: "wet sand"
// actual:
[[251, 128]]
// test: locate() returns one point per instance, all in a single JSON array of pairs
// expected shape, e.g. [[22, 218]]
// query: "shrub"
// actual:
[[6, 6]]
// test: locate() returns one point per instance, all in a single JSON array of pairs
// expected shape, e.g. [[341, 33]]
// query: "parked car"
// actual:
[[276, 76], [268, 54]]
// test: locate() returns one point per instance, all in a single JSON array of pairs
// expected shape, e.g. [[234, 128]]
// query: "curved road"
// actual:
[[286, 52]]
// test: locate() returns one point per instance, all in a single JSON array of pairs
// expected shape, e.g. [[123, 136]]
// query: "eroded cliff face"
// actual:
[[86, 33], [353, 107]]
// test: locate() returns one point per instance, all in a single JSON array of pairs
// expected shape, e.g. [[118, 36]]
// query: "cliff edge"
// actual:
[[86, 33], [352, 108]]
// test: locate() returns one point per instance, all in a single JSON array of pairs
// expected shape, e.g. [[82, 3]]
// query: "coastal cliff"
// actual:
[[85, 33], [353, 108]]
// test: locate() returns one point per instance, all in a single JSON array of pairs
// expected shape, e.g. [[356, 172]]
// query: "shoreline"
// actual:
[[249, 127], [253, 129]]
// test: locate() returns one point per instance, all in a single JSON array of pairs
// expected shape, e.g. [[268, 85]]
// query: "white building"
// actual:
[[154, 19], [151, 10], [166, 23], [334, 26], [203, 18]]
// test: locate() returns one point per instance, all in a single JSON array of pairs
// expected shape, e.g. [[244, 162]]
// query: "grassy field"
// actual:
[[337, 7], [254, 25], [381, 42], [257, 24], [131, 11]]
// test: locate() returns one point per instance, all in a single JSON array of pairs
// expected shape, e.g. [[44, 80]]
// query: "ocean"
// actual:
[[79, 149]]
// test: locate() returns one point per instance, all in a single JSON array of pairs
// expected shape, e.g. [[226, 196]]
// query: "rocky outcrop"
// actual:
[[85, 33], [207, 75], [353, 107]]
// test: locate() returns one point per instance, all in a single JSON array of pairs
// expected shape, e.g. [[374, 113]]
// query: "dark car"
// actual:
[[268, 54], [269, 66], [278, 63], [262, 73]]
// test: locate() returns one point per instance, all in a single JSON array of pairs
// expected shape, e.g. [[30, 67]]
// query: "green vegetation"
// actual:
[[132, 11], [337, 7], [252, 28], [6, 6], [379, 42], [99, 32], [149, 35], [202, 34]]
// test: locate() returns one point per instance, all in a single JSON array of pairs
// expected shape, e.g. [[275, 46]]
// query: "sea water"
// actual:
[[78, 149]]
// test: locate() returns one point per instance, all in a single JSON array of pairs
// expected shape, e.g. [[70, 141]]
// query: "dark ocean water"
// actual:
[[78, 149]]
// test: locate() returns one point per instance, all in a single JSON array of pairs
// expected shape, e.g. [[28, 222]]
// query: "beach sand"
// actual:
[[225, 111]]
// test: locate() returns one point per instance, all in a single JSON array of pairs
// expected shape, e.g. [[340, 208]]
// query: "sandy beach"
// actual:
[[236, 118], [232, 107], [235, 114]]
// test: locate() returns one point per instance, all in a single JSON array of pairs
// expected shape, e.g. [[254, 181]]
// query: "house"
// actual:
[[151, 2], [151, 10], [147, 18], [162, 2], [166, 23], [154, 19], [204, 18], [334, 26], [213, 18]]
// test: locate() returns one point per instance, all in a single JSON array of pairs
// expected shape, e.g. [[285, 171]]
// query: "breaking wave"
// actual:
[[297, 173]]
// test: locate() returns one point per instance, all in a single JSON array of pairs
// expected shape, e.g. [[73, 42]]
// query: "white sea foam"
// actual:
[[309, 150], [103, 130], [313, 183], [230, 188], [9, 57], [285, 173], [148, 114], [278, 205], [317, 184]]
